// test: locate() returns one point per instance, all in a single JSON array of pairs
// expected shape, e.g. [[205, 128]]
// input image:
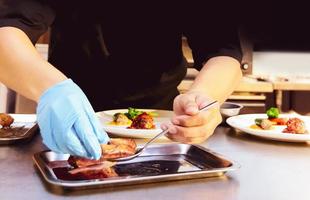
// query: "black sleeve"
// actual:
[[31, 16], [212, 31]]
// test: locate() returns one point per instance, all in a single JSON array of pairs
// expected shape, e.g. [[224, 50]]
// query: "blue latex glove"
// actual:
[[68, 123]]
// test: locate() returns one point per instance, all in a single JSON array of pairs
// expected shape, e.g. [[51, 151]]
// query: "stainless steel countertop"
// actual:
[[269, 170]]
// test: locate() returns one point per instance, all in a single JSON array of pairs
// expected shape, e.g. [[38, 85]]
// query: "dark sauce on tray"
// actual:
[[16, 130], [146, 168], [149, 168], [62, 173], [12, 132]]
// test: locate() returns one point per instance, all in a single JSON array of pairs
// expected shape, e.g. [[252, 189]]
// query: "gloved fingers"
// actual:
[[52, 145], [102, 136], [88, 138], [48, 139], [72, 145], [68, 142]]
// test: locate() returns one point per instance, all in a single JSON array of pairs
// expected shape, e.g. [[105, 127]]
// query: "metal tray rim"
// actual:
[[100, 182], [27, 134], [31, 118]]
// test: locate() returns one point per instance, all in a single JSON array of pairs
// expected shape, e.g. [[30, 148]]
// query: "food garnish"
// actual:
[[278, 121], [273, 112], [293, 125], [132, 113]]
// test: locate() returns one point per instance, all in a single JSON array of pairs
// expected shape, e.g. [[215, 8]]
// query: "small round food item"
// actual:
[[264, 123], [121, 119], [143, 121], [6, 120], [295, 125]]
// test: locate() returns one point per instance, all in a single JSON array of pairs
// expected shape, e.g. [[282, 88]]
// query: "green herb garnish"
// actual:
[[132, 113], [273, 112]]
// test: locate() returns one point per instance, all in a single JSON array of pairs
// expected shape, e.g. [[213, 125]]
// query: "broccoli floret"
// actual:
[[273, 112], [132, 113]]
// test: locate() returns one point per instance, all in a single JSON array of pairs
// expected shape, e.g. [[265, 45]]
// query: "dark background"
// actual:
[[279, 26]]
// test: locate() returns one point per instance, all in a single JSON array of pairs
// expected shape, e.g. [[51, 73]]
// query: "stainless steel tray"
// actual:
[[23, 128], [163, 162]]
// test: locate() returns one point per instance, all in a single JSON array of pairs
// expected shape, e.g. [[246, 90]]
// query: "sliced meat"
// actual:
[[111, 151], [78, 162], [120, 141], [92, 169], [102, 170]]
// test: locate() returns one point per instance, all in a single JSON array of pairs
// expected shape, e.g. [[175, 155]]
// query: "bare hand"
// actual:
[[189, 125]]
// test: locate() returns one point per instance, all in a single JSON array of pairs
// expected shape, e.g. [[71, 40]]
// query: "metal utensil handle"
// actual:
[[208, 106], [154, 138]]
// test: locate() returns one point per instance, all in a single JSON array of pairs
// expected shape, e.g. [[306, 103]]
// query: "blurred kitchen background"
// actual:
[[276, 64]]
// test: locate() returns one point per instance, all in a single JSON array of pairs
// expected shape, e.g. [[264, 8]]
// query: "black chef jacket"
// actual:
[[126, 53]]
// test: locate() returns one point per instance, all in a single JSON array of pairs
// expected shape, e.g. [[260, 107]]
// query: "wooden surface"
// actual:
[[246, 85], [296, 86]]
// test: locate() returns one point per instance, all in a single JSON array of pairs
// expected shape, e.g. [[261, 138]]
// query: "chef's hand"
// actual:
[[188, 125], [68, 123]]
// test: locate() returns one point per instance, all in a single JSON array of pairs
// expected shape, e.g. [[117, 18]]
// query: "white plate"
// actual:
[[24, 117], [122, 131], [243, 123]]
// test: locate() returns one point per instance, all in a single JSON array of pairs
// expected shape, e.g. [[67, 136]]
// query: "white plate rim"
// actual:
[[23, 117], [270, 134]]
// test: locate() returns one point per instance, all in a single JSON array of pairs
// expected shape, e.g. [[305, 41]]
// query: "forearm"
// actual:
[[218, 78], [22, 68]]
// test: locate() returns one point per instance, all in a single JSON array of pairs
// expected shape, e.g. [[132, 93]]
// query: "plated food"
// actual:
[[93, 169], [133, 122], [143, 121], [135, 119], [295, 129], [291, 125]]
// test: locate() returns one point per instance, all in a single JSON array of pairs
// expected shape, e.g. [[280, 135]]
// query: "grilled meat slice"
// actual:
[[102, 170], [120, 141], [93, 169]]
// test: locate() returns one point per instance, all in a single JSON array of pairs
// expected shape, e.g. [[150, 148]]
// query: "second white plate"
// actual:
[[243, 123]]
